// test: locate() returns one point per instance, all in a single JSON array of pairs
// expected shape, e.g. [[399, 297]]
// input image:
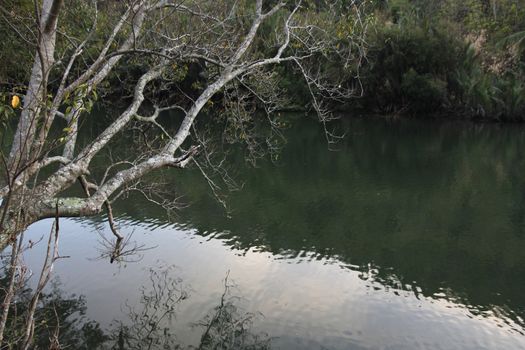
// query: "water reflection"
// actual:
[[427, 205], [60, 320], [149, 323], [410, 236]]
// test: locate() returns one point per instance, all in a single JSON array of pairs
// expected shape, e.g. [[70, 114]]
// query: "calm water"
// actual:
[[410, 236]]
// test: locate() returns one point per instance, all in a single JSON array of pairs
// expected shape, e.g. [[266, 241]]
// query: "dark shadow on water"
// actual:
[[436, 208]]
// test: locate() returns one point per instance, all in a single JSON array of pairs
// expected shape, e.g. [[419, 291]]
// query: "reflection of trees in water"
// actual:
[[40, 318], [121, 250], [148, 326], [228, 328], [435, 211], [60, 320], [437, 206]]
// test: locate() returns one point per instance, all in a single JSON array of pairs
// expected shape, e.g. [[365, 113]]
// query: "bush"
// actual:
[[484, 94], [410, 68], [419, 64], [424, 93]]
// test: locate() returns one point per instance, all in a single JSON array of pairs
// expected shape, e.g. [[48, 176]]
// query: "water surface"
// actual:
[[410, 236]]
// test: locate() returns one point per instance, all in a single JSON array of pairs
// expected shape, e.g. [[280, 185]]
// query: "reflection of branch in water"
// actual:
[[228, 328], [121, 250], [59, 322], [148, 327]]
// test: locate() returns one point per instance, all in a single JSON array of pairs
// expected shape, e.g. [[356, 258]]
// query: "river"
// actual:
[[409, 235]]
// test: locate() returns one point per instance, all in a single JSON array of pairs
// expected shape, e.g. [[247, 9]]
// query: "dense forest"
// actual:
[[452, 58]]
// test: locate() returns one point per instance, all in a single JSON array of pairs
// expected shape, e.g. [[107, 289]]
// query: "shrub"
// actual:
[[423, 92], [410, 67]]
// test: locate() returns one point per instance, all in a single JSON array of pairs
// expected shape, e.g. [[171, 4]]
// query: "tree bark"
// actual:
[[20, 153]]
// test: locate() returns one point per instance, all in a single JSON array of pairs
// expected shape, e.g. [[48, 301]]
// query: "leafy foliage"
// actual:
[[464, 57]]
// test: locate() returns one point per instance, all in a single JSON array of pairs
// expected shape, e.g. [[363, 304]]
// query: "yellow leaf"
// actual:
[[15, 101]]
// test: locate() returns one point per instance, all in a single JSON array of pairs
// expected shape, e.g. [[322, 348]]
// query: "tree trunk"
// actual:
[[20, 152]]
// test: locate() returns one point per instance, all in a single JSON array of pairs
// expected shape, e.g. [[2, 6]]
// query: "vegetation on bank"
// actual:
[[455, 57], [464, 57]]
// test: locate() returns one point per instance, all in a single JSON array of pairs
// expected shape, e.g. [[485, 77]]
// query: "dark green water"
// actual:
[[410, 236]]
